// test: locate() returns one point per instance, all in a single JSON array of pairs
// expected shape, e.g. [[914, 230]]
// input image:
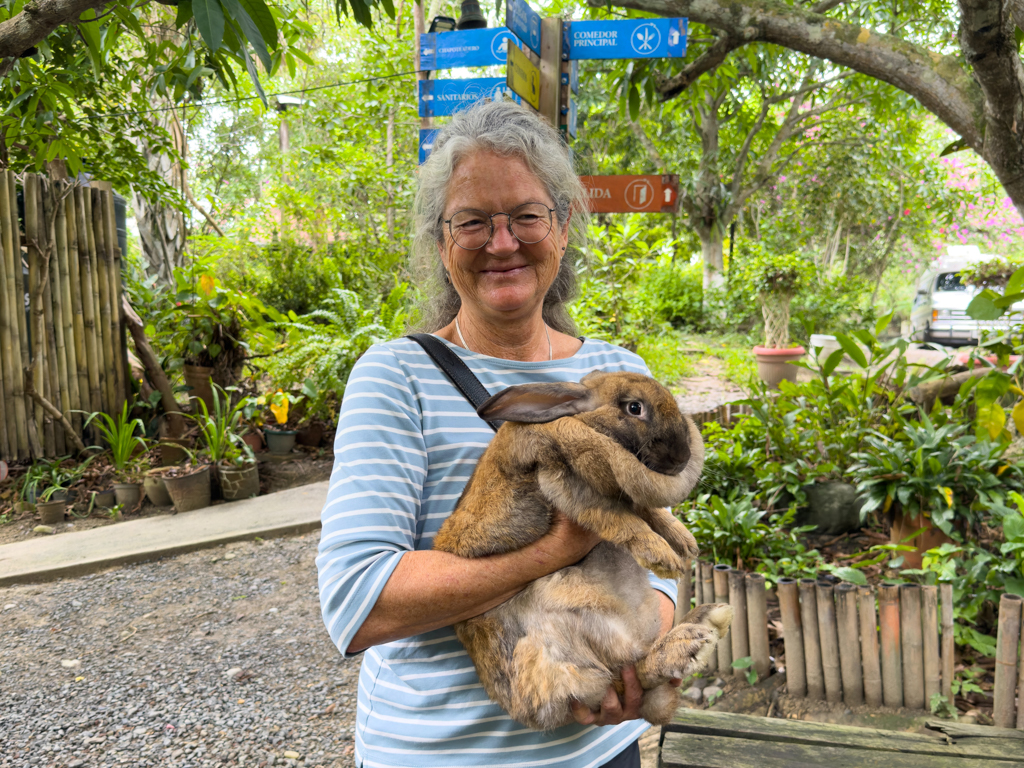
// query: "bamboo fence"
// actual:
[[892, 646], [62, 335]]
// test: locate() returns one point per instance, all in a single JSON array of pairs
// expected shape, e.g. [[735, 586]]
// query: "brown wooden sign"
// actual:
[[632, 194]]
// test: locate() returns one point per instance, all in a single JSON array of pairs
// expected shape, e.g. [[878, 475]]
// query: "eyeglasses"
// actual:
[[528, 223]]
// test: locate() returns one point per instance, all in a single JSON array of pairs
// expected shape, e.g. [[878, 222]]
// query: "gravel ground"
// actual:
[[211, 658]]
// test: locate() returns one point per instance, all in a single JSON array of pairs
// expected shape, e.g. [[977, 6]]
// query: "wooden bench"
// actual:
[[709, 739]]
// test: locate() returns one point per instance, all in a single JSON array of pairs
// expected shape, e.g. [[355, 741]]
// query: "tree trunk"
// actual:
[[712, 252], [162, 227]]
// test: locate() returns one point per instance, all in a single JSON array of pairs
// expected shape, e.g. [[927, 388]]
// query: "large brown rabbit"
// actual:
[[625, 453]]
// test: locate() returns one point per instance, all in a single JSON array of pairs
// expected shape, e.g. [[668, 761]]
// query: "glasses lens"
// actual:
[[470, 229], [531, 222]]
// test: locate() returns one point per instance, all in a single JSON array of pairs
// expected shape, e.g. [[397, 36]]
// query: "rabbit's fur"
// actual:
[[612, 467]]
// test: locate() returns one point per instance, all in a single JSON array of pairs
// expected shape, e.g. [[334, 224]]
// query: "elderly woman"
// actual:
[[498, 210]]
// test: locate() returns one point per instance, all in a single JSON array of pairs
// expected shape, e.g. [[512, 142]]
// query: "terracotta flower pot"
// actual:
[[156, 489], [128, 494], [51, 511], [240, 482], [198, 377], [903, 526], [191, 491], [773, 365], [280, 442], [254, 440]]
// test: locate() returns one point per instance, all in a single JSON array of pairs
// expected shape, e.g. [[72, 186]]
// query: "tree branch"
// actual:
[[198, 207], [938, 82], [707, 61], [38, 19], [53, 410], [648, 145]]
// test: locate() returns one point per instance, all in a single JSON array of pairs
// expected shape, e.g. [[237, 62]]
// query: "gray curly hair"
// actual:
[[509, 130]]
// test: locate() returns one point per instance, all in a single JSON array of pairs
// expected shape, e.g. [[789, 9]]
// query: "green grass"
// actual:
[[664, 356]]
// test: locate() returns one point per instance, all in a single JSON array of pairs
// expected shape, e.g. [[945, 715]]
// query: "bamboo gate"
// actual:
[[62, 337]]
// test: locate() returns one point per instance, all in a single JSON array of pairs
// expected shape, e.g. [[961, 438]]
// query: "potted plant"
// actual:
[[280, 440], [188, 483], [221, 434], [51, 504], [775, 280], [123, 436]]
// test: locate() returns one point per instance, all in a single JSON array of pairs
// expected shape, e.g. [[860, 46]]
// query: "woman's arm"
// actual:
[[431, 589]]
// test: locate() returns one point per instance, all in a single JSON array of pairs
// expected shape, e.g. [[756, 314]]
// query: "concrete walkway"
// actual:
[[296, 510]]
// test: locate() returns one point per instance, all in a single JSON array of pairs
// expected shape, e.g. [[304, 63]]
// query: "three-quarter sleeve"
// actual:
[[370, 517]]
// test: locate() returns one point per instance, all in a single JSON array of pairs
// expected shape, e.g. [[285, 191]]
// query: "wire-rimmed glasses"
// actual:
[[472, 229]]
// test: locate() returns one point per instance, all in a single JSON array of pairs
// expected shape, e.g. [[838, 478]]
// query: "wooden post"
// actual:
[[92, 343], [75, 302], [707, 571], [13, 299], [1020, 681], [848, 623], [891, 644], [56, 356], [551, 71], [869, 647], [930, 637], [913, 650], [66, 305], [113, 260], [106, 321], [685, 594], [948, 643], [828, 635], [812, 643], [738, 630], [30, 190], [793, 636], [721, 586], [8, 435], [757, 623], [698, 585], [1007, 640]]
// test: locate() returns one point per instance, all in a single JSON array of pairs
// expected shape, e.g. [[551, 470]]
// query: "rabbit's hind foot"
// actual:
[[540, 698], [687, 648], [660, 704]]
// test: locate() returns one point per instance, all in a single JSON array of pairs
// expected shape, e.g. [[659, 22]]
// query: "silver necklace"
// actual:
[[462, 338]]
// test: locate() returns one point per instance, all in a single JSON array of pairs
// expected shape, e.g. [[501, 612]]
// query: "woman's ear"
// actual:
[[539, 403]]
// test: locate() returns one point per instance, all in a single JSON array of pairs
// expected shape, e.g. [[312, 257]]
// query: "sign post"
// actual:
[[446, 97], [632, 194], [523, 77], [525, 22], [467, 48], [624, 39]]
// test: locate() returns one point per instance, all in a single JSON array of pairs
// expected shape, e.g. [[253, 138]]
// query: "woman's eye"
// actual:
[[527, 219], [635, 409], [469, 226]]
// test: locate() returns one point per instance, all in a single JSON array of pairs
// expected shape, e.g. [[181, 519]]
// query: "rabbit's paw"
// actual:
[[654, 554], [668, 526], [686, 648]]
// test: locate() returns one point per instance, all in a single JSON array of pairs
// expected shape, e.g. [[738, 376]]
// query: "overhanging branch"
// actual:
[[38, 19], [707, 61]]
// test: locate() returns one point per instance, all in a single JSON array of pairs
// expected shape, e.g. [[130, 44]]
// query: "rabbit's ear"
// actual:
[[539, 403]]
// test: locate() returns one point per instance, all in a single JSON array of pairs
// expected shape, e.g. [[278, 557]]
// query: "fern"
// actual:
[[321, 346]]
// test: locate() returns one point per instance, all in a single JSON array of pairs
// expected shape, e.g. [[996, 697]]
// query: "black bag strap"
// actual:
[[456, 370]]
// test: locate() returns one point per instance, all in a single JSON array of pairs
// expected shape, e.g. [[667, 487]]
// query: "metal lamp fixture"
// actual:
[[470, 16]]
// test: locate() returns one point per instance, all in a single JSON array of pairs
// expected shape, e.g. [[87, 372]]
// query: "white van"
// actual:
[[939, 313]]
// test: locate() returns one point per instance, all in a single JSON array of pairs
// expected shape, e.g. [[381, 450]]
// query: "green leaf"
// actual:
[[1016, 282], [210, 19], [832, 361], [852, 349], [263, 19], [255, 77], [743, 663], [1008, 299], [883, 323], [983, 306], [851, 575], [634, 102], [250, 31], [184, 13]]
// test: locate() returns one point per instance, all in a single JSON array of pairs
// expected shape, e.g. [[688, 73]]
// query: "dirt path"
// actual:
[[707, 390]]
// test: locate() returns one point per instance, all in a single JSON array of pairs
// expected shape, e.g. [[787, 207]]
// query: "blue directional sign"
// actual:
[[572, 77], [466, 48], [525, 22], [624, 39], [427, 137], [569, 118], [446, 97]]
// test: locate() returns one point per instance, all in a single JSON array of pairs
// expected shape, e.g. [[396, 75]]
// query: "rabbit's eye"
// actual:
[[635, 409]]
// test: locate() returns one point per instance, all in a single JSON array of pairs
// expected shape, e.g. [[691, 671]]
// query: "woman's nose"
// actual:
[[502, 239]]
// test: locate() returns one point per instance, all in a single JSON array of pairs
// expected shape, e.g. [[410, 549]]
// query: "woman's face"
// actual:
[[505, 279]]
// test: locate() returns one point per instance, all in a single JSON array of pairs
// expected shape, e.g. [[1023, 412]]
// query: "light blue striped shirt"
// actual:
[[406, 444]]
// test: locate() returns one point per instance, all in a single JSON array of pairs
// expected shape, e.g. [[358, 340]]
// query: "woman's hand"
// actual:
[[613, 709], [565, 543]]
